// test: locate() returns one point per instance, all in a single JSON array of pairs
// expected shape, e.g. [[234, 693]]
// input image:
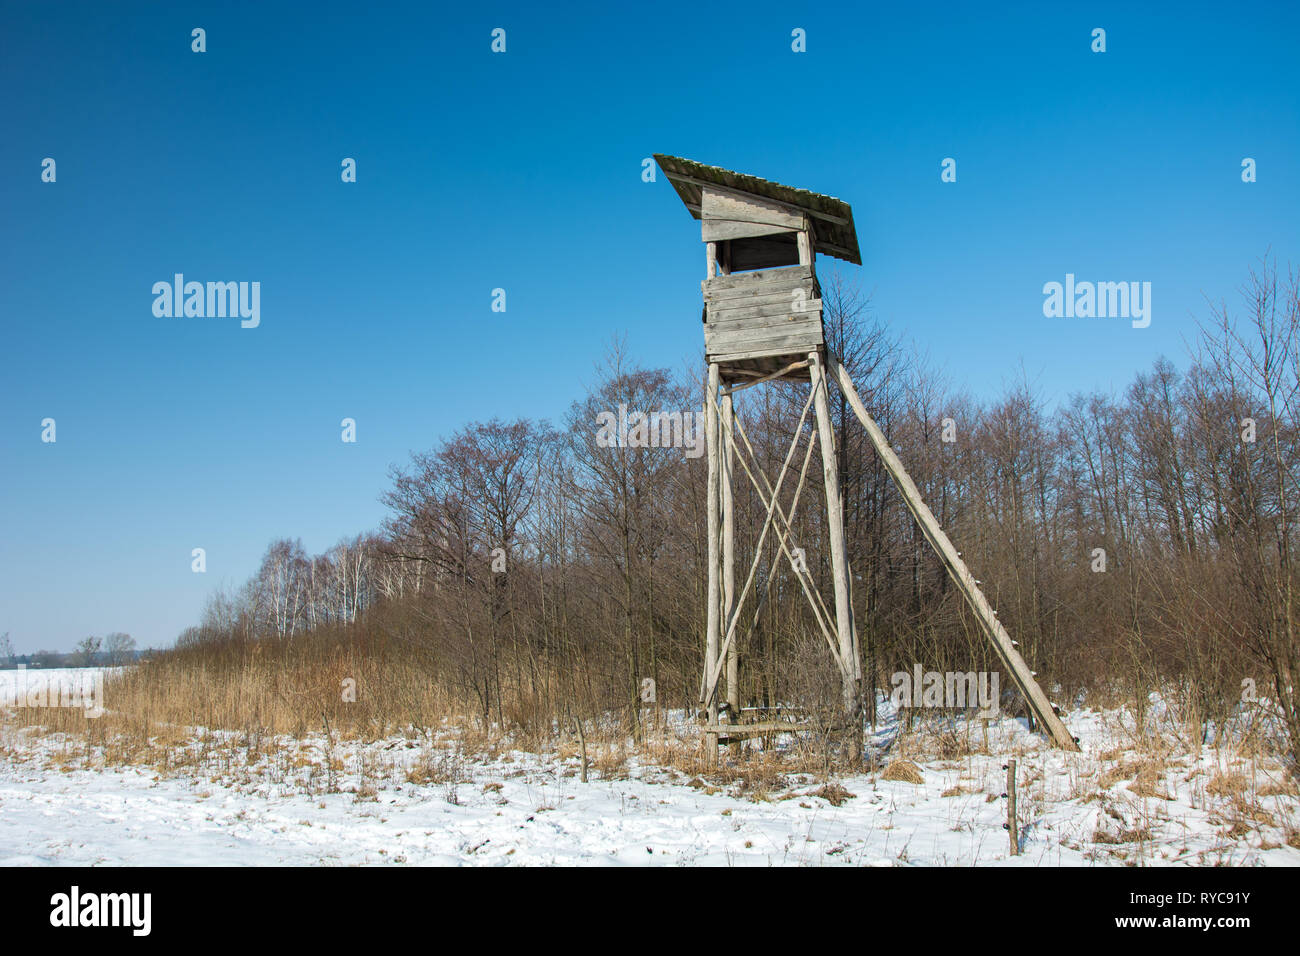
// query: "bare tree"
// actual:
[[87, 651], [120, 648]]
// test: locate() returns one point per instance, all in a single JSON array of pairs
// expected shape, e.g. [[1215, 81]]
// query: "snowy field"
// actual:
[[226, 799]]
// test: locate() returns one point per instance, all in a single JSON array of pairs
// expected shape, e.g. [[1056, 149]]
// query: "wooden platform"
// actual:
[[763, 728]]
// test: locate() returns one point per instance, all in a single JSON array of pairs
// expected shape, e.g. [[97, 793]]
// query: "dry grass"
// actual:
[[260, 695], [1149, 781], [1227, 784], [1279, 788], [434, 768], [757, 772], [610, 760], [1121, 836], [1145, 775], [904, 771], [834, 794]]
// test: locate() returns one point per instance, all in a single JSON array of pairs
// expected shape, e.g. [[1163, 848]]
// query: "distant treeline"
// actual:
[[49, 659], [115, 650]]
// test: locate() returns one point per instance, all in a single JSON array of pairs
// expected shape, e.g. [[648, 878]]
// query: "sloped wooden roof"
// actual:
[[833, 225]]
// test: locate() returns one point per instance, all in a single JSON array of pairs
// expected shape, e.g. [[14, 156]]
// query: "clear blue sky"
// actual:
[[522, 171]]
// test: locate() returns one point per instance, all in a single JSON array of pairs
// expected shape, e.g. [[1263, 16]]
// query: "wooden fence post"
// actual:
[[1013, 828]]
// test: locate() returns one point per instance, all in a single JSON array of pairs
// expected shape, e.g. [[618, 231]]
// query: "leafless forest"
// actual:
[[529, 579]]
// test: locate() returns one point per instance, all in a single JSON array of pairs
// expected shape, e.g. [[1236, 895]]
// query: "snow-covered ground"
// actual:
[[225, 799]]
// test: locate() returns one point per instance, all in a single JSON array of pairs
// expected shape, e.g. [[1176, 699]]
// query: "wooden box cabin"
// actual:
[[762, 303]]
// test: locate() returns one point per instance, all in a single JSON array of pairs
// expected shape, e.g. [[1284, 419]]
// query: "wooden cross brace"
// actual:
[[769, 496]]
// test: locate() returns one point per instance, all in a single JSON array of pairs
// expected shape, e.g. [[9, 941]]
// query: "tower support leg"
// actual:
[[847, 640], [713, 623], [727, 464]]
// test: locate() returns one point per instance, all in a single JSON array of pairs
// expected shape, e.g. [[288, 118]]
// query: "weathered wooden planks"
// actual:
[[779, 340], [782, 305], [745, 280], [777, 354], [772, 313], [729, 215]]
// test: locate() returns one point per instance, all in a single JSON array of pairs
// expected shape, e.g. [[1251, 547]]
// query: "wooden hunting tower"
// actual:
[[763, 323]]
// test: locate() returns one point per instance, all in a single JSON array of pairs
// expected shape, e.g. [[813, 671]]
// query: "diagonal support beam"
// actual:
[[771, 573], [955, 566], [785, 538]]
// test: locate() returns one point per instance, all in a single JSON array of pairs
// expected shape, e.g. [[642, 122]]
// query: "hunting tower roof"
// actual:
[[832, 218]]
